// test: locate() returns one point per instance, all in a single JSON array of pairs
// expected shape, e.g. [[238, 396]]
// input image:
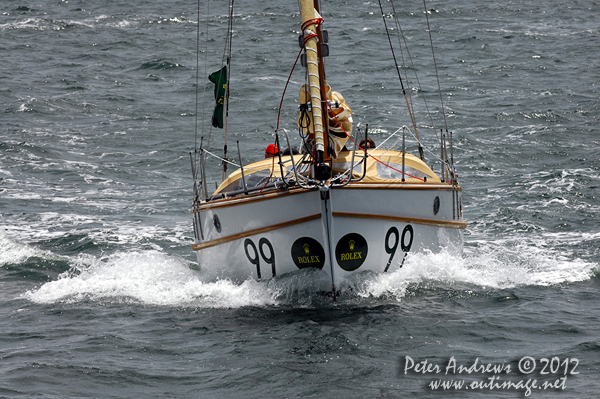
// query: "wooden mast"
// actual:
[[323, 84], [316, 81]]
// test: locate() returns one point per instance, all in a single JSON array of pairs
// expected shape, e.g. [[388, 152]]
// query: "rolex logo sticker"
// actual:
[[351, 251], [308, 252]]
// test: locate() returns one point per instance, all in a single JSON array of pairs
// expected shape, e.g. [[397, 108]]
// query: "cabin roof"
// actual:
[[384, 166]]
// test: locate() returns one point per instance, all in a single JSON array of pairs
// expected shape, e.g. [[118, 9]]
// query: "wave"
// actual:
[[156, 278], [160, 64], [151, 278], [20, 262], [13, 253], [44, 24]]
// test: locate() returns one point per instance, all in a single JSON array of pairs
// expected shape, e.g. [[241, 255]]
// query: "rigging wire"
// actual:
[[435, 65], [198, 158], [227, 49], [226, 57], [197, 76], [281, 104], [316, 20], [198, 73], [401, 35], [227, 53], [204, 97], [288, 82], [320, 21], [410, 112], [398, 31], [369, 155]]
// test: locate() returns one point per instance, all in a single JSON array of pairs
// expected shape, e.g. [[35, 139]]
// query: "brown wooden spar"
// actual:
[[310, 22], [322, 83]]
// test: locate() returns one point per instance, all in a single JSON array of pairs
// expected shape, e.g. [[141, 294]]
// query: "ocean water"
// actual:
[[100, 295]]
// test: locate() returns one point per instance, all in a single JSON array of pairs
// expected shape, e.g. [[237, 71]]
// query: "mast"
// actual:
[[322, 82], [310, 30]]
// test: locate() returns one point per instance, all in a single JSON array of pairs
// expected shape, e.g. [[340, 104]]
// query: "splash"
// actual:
[[151, 278], [155, 278], [12, 252], [495, 267]]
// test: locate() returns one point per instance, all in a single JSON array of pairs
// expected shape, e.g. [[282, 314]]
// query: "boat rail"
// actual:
[[293, 177]]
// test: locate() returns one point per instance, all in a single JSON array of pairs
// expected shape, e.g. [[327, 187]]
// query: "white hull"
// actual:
[[341, 230], [331, 205]]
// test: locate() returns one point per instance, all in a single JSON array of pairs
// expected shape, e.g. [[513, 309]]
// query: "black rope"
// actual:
[[304, 120]]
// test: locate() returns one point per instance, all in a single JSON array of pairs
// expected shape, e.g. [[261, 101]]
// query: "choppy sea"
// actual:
[[100, 296]]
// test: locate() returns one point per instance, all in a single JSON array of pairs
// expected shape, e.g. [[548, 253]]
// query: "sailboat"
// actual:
[[327, 207]]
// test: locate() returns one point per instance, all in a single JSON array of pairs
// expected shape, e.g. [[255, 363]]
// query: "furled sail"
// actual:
[[310, 17], [339, 119]]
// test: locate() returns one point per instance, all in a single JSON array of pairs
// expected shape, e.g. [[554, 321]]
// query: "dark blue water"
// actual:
[[99, 292]]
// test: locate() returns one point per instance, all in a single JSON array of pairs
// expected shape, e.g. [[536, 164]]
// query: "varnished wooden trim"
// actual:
[[245, 199], [430, 222], [218, 241], [400, 186]]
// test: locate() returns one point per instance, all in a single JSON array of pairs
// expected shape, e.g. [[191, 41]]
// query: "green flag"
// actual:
[[219, 78]]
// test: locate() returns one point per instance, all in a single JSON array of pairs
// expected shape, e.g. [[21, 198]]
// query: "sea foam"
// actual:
[[155, 278]]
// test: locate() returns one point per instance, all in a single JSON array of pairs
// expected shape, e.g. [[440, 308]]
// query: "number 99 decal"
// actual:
[[407, 230], [255, 260], [398, 239]]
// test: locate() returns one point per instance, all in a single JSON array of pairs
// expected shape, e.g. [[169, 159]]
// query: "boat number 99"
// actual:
[[402, 240], [255, 260]]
